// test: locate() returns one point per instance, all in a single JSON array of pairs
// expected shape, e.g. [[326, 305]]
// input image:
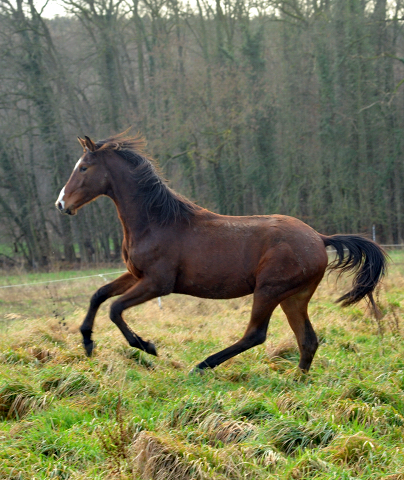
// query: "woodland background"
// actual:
[[292, 107]]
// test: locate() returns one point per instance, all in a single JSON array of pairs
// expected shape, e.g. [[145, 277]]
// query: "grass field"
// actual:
[[126, 415]]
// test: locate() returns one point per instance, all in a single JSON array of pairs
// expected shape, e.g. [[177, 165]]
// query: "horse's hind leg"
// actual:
[[117, 287], [295, 308], [255, 333]]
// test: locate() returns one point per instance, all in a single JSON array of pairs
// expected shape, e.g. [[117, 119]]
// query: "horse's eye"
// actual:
[[83, 169]]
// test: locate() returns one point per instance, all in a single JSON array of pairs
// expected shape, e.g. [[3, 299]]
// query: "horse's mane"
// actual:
[[163, 205]]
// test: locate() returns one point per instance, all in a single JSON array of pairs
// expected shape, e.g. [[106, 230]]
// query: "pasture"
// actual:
[[126, 415]]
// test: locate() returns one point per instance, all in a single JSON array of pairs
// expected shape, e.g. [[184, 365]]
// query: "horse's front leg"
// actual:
[[117, 287], [145, 289]]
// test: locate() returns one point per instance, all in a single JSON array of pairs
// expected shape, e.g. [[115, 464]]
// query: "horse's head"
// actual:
[[88, 180]]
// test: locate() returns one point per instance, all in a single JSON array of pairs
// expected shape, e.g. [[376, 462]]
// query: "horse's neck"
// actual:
[[130, 210]]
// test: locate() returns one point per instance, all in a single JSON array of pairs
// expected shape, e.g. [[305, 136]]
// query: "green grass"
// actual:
[[126, 415]]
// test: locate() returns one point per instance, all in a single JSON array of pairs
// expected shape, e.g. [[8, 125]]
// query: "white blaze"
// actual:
[[60, 198], [77, 164], [62, 192]]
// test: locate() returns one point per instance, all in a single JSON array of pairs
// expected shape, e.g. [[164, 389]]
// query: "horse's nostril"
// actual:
[[59, 206]]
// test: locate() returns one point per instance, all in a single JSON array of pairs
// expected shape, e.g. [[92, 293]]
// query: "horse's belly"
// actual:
[[214, 287]]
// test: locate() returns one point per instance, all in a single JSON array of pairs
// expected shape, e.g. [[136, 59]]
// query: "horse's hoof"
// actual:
[[151, 349], [89, 347], [197, 371]]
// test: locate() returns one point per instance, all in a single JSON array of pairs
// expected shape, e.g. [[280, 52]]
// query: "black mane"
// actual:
[[162, 204]]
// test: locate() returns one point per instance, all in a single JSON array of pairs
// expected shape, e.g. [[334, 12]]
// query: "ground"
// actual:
[[126, 415]]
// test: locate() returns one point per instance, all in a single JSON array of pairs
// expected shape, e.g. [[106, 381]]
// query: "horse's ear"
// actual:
[[82, 142], [90, 144]]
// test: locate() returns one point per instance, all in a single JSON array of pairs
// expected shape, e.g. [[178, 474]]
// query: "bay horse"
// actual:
[[172, 245]]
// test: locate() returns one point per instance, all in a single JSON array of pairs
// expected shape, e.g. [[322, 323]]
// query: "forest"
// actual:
[[291, 107]]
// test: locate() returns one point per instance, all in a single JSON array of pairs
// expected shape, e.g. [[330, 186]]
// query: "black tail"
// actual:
[[364, 258]]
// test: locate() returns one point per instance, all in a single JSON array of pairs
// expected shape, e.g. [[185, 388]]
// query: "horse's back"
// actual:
[[257, 234]]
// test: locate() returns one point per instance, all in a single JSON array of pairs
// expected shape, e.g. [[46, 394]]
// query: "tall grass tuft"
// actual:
[[357, 450], [18, 399], [254, 410], [287, 403], [370, 393], [267, 456], [382, 417], [218, 427], [156, 459], [310, 466], [70, 384], [193, 410], [288, 434]]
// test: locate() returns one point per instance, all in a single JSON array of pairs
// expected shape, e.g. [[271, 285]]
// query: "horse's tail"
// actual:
[[366, 259]]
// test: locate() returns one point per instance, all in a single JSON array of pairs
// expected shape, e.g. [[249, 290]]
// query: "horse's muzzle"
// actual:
[[66, 211]]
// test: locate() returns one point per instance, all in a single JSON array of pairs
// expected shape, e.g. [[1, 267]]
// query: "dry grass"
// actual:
[[17, 399], [357, 451], [163, 459], [221, 428], [181, 323], [383, 417]]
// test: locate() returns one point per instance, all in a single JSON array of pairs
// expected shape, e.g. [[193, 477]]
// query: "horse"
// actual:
[[172, 245]]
